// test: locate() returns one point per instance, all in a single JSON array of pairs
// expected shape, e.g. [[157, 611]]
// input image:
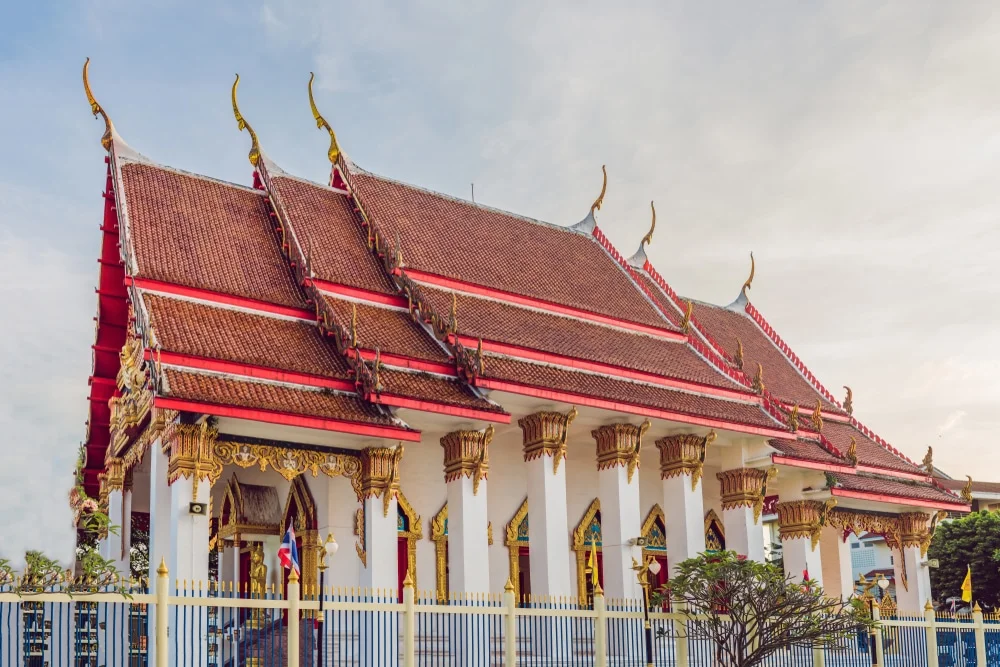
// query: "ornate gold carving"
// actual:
[[289, 463], [913, 529], [412, 535], [648, 238], [619, 445], [887, 606], [852, 452], [654, 529], [803, 518], [967, 491], [130, 408], [713, 525], [746, 285], [596, 206], [354, 325], [96, 108], [453, 315], [545, 434], [928, 462], [489, 533], [586, 536], [758, 380], [359, 529], [849, 401], [380, 474], [817, 416], [242, 124], [684, 455], [686, 322], [334, 151], [439, 536], [192, 454], [739, 354], [745, 487], [793, 418], [516, 536], [258, 570], [466, 454]]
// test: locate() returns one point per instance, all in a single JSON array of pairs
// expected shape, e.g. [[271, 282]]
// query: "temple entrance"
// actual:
[[715, 533], [409, 529], [654, 530], [439, 536], [516, 539], [300, 512], [587, 542]]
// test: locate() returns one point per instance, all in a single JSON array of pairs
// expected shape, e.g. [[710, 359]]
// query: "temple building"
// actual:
[[459, 393]]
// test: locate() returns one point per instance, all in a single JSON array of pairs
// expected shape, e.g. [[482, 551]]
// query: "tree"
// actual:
[[971, 541], [751, 611]]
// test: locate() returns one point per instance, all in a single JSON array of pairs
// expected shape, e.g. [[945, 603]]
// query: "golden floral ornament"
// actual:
[[804, 518], [191, 454], [849, 401], [967, 491], [545, 434], [684, 454], [287, 462], [745, 487], [619, 445], [359, 530], [380, 474], [334, 151], [97, 109], [242, 124], [466, 454]]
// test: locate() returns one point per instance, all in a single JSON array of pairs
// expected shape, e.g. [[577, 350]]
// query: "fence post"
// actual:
[[932, 647], [819, 657], [510, 628], [680, 634], [293, 619], [409, 623], [600, 628], [977, 619], [877, 634], [162, 614]]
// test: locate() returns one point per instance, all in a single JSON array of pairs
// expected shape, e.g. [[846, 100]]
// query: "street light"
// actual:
[[642, 574], [327, 549]]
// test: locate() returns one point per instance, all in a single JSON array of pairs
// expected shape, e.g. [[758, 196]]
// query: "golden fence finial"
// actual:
[[604, 188], [96, 108], [648, 238], [242, 124], [746, 285], [334, 151]]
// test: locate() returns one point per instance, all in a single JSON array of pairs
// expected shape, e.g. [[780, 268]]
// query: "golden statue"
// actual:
[[258, 571]]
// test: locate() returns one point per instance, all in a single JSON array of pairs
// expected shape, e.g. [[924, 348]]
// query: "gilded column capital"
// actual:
[[684, 454], [745, 487], [379, 476], [545, 434], [619, 445], [467, 454], [114, 474], [191, 453], [803, 518], [916, 530]]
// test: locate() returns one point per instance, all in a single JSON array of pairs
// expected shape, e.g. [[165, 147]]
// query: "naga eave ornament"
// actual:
[[97, 109], [334, 151], [242, 124]]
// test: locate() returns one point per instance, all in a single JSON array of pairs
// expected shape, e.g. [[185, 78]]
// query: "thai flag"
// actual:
[[288, 553]]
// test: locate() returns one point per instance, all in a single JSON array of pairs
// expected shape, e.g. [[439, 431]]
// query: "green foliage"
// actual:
[[973, 540], [751, 611]]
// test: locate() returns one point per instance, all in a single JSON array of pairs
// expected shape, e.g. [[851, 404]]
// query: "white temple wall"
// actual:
[[508, 487], [581, 491], [421, 479]]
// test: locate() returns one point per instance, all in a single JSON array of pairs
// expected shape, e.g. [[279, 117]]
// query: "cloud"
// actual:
[[953, 420]]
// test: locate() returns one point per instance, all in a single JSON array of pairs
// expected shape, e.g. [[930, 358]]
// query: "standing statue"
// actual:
[[258, 571]]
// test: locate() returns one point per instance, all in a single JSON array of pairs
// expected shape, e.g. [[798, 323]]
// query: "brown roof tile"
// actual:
[[231, 335], [959, 484], [390, 330], [325, 224], [206, 234], [623, 391], [869, 452], [890, 486], [513, 325], [435, 389], [218, 390], [805, 449], [463, 241]]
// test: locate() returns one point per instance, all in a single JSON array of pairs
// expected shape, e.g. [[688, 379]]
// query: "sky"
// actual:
[[854, 147]]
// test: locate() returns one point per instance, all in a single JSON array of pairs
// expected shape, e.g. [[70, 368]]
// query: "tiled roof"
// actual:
[[959, 484], [623, 391], [206, 234], [325, 224], [890, 486], [869, 452], [388, 329], [805, 449], [513, 325], [218, 390], [435, 389], [463, 241], [231, 335], [782, 379]]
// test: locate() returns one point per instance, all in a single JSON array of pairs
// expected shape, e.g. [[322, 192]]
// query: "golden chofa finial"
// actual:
[[967, 491], [648, 238], [334, 152], [849, 401], [604, 188], [242, 124], [746, 285], [96, 108]]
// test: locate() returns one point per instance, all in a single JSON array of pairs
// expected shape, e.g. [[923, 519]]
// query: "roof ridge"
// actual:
[[126, 161]]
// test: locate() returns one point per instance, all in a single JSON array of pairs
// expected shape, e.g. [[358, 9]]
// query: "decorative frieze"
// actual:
[[466, 454], [135, 396], [803, 518], [619, 445], [289, 463], [545, 434], [745, 487], [684, 455], [379, 477]]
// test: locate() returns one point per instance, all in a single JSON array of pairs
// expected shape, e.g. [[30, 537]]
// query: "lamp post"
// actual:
[[327, 549], [650, 565]]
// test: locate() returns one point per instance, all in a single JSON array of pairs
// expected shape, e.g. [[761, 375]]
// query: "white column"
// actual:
[[159, 529], [548, 527], [799, 522], [911, 598], [466, 464], [188, 558], [127, 529], [621, 516], [742, 492], [681, 458], [110, 547], [381, 537], [837, 571]]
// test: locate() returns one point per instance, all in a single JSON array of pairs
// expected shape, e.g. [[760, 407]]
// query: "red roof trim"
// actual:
[[888, 472], [218, 298], [440, 408], [811, 465], [899, 500], [288, 419], [580, 399], [251, 371], [597, 367], [548, 306], [336, 289], [399, 361]]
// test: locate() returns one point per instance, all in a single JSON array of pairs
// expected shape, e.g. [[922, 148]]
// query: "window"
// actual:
[[855, 545]]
